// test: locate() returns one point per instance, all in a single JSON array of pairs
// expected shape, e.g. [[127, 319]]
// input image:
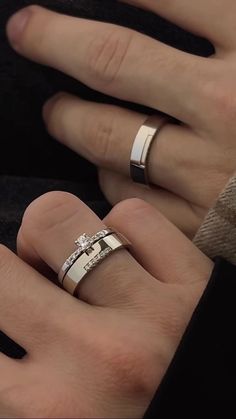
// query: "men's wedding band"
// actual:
[[87, 260], [142, 146]]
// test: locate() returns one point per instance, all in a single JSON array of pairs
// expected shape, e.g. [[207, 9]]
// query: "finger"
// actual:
[[117, 188], [174, 258], [101, 133], [105, 134], [212, 20], [27, 304], [50, 227], [106, 57]]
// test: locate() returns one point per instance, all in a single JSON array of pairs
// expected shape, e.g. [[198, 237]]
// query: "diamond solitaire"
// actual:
[[84, 242], [102, 248]]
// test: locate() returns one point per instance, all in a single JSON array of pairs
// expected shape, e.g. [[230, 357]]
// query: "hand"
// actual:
[[191, 162], [105, 354]]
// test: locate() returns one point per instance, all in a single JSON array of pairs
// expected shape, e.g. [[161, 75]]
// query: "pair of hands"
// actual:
[[106, 354], [189, 164]]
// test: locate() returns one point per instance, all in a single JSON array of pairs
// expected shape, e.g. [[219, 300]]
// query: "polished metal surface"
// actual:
[[86, 263], [142, 146]]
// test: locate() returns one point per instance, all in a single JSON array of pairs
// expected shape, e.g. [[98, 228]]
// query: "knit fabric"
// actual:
[[217, 235]]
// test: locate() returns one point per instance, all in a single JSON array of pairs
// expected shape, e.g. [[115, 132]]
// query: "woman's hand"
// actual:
[[189, 164], [103, 355]]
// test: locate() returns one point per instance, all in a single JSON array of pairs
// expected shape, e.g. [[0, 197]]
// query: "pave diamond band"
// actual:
[[85, 244], [97, 259], [87, 261]]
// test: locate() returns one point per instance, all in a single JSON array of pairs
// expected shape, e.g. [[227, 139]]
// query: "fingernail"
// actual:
[[16, 25]]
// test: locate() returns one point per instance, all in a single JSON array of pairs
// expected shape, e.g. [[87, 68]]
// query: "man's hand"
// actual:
[[189, 164]]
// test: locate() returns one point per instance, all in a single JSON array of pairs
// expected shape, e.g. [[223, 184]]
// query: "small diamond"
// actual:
[[84, 242]]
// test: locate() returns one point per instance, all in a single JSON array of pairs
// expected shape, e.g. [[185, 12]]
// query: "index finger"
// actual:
[[49, 229]]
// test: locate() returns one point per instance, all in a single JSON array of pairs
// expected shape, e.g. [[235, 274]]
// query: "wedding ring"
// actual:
[[85, 244], [141, 148], [86, 262]]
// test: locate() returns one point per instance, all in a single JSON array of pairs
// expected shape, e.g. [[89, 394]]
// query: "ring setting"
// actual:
[[84, 244], [91, 251], [97, 259]]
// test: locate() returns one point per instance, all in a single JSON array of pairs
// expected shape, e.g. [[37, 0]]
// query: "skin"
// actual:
[[105, 354], [202, 97]]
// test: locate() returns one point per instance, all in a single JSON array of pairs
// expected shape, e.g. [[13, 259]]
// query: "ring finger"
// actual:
[[50, 227], [104, 134], [52, 223]]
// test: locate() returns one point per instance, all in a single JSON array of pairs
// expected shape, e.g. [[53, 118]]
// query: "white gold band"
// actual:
[[141, 148], [87, 262]]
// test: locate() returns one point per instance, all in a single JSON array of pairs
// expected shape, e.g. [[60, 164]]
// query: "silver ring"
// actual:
[[142, 145], [85, 263], [85, 244]]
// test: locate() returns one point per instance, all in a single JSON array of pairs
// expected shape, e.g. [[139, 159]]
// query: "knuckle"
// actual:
[[130, 209], [225, 104], [222, 99], [129, 366], [46, 211], [103, 134], [107, 54], [121, 358]]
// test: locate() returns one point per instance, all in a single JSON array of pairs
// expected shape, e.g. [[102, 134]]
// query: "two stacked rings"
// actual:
[[90, 252]]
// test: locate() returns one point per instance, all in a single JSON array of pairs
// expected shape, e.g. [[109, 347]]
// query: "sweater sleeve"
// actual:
[[200, 382], [217, 234]]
